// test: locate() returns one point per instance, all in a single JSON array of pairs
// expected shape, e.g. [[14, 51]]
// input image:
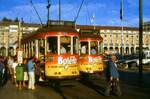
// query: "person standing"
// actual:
[[31, 84], [1, 72], [19, 75], [14, 72], [10, 68], [112, 76], [25, 72]]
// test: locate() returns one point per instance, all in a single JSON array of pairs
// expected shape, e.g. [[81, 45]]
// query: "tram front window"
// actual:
[[84, 47], [94, 47], [65, 44]]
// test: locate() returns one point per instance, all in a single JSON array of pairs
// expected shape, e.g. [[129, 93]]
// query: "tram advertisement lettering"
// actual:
[[68, 60], [94, 59]]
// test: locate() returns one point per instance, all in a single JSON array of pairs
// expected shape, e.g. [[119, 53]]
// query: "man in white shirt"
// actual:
[[62, 50], [83, 49]]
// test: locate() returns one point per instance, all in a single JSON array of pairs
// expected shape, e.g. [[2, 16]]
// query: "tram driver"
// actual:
[[93, 50], [62, 49]]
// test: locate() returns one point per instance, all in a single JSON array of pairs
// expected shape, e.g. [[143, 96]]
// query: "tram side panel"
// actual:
[[90, 63]]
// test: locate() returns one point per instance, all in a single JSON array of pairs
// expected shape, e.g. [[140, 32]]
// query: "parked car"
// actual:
[[128, 61], [146, 58], [131, 61]]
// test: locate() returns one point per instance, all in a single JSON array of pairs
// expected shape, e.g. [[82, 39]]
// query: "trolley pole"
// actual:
[[19, 32], [48, 12], [122, 19], [140, 39], [59, 11]]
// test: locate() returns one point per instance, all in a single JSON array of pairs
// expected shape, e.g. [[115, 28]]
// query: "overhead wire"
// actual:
[[36, 12], [88, 13], [79, 11]]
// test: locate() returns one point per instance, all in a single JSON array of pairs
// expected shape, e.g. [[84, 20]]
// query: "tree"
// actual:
[[16, 20], [5, 19]]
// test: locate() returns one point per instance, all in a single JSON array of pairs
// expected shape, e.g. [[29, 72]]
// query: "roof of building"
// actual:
[[82, 27], [5, 23], [89, 27], [147, 23]]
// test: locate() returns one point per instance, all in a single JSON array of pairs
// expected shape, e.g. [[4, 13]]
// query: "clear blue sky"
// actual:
[[107, 12]]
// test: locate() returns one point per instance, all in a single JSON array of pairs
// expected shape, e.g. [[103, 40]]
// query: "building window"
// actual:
[[105, 35]]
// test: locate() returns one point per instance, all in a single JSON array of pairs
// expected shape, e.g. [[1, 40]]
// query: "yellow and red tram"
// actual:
[[90, 60], [57, 47]]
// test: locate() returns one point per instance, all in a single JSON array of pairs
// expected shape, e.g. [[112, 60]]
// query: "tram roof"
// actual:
[[54, 28]]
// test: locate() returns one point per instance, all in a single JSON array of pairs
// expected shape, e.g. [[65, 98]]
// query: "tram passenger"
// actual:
[[62, 49], [93, 51], [83, 49]]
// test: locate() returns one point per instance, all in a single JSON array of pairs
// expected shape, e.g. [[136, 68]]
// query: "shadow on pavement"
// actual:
[[57, 89], [132, 78], [99, 89]]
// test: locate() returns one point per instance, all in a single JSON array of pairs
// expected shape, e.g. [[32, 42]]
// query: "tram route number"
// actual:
[[68, 60]]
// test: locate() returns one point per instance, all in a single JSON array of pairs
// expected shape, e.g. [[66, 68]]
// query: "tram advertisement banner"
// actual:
[[20, 56]]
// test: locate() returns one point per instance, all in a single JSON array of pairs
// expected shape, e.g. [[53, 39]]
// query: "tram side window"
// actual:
[[42, 50], [84, 47], [52, 45]]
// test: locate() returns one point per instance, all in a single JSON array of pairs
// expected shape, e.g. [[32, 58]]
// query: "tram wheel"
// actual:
[[55, 85], [84, 76]]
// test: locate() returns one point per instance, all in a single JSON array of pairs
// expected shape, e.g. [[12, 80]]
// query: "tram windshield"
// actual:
[[89, 47], [68, 45], [65, 44], [94, 47]]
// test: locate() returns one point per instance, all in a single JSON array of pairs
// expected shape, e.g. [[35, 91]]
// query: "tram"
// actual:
[[90, 60], [56, 46]]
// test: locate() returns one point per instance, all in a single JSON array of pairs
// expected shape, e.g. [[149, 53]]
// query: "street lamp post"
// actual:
[[140, 39]]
